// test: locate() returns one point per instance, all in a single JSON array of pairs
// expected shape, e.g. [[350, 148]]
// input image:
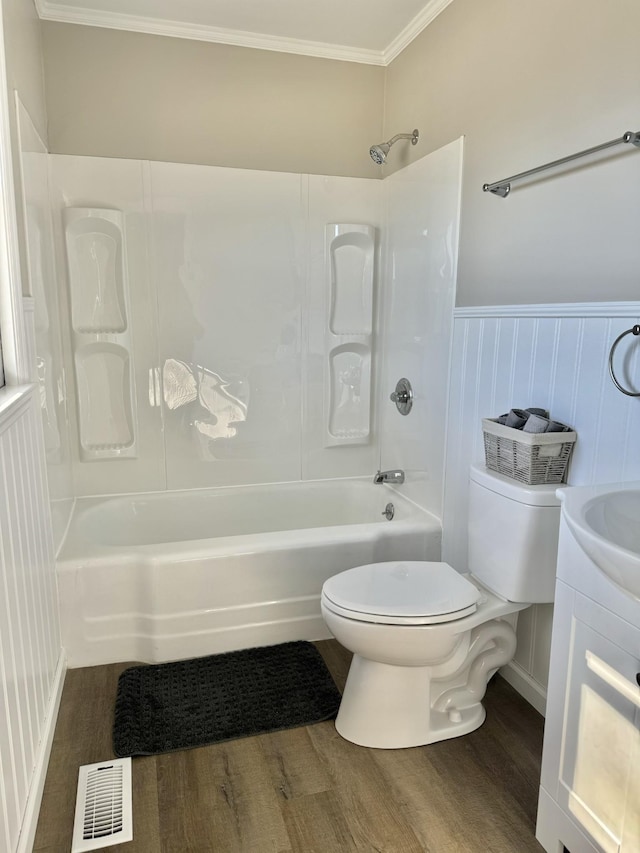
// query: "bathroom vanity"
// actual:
[[590, 784]]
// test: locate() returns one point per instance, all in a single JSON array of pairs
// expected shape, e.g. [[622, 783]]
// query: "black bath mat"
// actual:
[[191, 703]]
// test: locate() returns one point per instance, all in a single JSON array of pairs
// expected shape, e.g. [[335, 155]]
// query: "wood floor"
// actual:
[[307, 790]]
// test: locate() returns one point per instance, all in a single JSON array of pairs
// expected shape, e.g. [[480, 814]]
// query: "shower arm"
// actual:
[[412, 136]]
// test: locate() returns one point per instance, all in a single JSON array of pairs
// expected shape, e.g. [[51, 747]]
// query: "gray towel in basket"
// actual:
[[536, 423], [517, 418]]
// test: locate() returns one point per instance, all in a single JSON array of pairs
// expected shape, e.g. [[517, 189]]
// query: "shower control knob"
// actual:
[[389, 511], [403, 396]]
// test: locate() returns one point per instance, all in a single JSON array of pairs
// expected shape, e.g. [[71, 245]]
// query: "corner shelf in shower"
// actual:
[[101, 335], [95, 252], [349, 264]]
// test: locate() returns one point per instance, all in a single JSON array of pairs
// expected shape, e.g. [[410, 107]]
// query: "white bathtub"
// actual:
[[171, 575]]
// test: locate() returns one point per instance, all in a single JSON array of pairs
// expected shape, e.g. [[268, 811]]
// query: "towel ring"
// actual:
[[635, 330]]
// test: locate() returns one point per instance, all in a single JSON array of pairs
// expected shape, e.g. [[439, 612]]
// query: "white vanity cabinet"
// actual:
[[590, 784]]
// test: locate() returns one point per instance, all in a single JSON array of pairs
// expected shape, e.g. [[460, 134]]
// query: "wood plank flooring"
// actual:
[[307, 790]]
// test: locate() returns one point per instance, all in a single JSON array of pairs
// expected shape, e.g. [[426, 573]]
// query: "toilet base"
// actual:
[[389, 707]]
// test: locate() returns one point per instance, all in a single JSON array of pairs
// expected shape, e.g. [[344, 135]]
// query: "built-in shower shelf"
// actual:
[[349, 265], [104, 330], [98, 447], [350, 256], [351, 334], [97, 269], [350, 434], [101, 337]]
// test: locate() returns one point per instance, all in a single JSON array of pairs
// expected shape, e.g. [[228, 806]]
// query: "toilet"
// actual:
[[427, 639]]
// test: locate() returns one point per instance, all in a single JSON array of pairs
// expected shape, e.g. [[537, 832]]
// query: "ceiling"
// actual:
[[370, 31]]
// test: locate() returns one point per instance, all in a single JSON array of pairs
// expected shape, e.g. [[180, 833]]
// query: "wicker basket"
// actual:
[[532, 458]]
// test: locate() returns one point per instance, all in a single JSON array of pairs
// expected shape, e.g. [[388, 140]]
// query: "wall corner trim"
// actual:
[[32, 810], [421, 21], [560, 309]]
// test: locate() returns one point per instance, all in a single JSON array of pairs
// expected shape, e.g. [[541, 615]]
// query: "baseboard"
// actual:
[[32, 810], [527, 687]]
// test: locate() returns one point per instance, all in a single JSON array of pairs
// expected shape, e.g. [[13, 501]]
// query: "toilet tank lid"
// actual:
[[544, 495]]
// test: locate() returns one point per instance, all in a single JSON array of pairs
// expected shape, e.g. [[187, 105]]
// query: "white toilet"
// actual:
[[426, 639]]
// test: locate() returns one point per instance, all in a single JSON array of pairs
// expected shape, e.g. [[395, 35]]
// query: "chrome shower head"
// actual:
[[378, 153]]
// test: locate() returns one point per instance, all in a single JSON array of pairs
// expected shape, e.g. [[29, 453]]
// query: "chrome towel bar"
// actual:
[[503, 187], [635, 330]]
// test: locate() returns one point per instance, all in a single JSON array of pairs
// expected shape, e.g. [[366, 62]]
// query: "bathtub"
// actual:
[[169, 575]]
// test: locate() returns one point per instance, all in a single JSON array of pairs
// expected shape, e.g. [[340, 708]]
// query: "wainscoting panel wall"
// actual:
[[556, 357], [29, 631]]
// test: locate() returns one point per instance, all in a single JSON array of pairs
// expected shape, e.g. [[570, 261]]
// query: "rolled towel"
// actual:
[[556, 426], [517, 418], [536, 423]]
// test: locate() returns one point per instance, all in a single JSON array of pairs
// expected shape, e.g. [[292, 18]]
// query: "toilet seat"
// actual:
[[411, 592]]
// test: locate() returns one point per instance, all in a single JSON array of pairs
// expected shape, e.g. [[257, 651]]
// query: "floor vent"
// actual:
[[103, 806]]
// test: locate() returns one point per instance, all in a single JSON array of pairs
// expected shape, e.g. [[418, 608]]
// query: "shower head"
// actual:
[[379, 152]]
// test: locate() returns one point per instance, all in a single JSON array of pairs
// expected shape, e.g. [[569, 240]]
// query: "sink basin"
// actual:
[[605, 521]]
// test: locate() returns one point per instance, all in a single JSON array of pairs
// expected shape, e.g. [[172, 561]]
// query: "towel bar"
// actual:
[[503, 188], [635, 330]]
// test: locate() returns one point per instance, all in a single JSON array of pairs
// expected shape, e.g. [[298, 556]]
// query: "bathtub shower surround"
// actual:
[[45, 331], [421, 252], [240, 321], [173, 575], [217, 363]]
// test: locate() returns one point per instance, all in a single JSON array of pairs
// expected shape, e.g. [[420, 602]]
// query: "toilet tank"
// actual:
[[513, 536]]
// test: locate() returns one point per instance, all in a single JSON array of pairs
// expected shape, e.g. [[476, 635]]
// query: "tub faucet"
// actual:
[[395, 477]]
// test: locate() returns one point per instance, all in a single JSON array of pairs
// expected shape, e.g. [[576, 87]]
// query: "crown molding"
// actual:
[[61, 13], [413, 29], [50, 10]]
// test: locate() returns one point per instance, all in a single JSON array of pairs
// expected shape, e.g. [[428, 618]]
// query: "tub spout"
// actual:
[[395, 477]]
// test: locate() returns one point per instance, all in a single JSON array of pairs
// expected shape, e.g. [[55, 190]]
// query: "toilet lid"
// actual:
[[401, 592]]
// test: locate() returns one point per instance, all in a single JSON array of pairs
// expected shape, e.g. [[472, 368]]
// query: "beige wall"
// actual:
[[24, 59], [527, 82], [23, 52], [119, 94]]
